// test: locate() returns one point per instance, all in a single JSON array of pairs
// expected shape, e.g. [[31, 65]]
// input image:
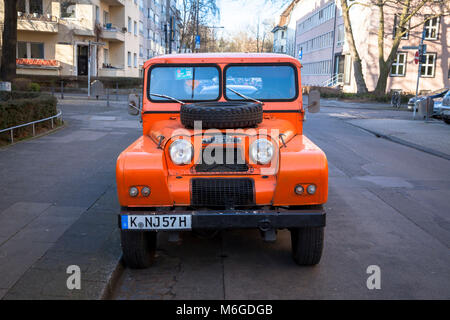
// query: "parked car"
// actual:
[[444, 111], [249, 166], [435, 95]]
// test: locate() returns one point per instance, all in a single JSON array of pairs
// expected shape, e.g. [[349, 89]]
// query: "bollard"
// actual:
[[62, 89], [107, 97], [117, 91]]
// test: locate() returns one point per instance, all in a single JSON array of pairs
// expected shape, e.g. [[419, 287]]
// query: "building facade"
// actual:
[[104, 38], [326, 59]]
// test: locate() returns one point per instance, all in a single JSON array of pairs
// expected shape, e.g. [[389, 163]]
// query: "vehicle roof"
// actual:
[[222, 57]]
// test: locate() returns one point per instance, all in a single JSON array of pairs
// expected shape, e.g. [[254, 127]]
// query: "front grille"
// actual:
[[222, 192], [231, 160]]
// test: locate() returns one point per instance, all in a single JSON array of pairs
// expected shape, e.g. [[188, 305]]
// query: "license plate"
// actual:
[[156, 222]]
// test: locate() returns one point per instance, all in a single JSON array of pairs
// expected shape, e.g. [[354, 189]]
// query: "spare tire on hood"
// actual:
[[222, 115]]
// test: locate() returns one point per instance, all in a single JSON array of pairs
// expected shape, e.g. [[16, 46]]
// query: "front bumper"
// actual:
[[305, 216]]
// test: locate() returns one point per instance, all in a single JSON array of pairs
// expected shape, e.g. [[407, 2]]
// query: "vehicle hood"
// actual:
[[162, 131]]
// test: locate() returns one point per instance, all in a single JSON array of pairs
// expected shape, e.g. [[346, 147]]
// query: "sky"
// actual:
[[237, 15]]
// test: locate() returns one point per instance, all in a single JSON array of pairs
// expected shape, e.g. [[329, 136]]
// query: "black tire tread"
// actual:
[[222, 115], [307, 245], [138, 248]]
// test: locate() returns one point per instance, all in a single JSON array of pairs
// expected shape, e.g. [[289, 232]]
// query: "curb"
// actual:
[[405, 143], [366, 108], [36, 136], [108, 291]]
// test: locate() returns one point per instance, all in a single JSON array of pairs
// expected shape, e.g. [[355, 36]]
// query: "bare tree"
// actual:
[[194, 15], [361, 86], [9, 41], [406, 11]]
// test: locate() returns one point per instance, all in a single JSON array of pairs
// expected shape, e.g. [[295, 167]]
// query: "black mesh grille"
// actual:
[[222, 192], [231, 160]]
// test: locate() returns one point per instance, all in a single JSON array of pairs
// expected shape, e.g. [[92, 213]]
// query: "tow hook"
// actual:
[[268, 233]]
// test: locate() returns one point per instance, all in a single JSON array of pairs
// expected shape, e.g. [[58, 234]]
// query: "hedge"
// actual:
[[14, 112]]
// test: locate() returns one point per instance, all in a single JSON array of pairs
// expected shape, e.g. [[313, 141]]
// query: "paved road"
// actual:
[[388, 206]]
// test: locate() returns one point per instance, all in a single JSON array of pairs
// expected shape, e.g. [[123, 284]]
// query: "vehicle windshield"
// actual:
[[184, 83], [261, 82]]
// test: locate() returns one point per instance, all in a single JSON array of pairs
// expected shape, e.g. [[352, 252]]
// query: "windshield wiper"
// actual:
[[245, 97], [167, 97]]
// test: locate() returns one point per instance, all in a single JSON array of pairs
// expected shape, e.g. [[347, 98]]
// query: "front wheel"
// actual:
[[138, 248], [307, 245]]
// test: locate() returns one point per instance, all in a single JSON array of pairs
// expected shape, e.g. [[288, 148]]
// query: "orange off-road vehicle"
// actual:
[[222, 147]]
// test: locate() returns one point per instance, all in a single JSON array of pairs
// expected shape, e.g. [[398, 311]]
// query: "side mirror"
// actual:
[[133, 105], [314, 101]]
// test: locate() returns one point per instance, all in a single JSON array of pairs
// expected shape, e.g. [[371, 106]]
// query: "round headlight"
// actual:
[[181, 152], [261, 151], [311, 189], [133, 191]]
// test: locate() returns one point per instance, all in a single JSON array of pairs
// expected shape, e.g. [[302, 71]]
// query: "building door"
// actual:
[[82, 60], [339, 70]]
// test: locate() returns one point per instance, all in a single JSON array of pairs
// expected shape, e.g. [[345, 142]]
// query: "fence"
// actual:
[[33, 123]]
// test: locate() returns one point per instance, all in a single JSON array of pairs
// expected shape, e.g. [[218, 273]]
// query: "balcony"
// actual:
[[114, 2], [111, 72], [112, 33], [37, 22]]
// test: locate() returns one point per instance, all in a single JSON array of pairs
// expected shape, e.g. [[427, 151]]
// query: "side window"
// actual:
[[431, 29], [398, 68], [428, 67]]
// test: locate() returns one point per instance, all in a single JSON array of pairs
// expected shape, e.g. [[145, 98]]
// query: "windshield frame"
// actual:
[[249, 64], [177, 65]]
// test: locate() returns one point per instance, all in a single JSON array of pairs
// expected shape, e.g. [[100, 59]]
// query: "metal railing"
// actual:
[[33, 123], [335, 80]]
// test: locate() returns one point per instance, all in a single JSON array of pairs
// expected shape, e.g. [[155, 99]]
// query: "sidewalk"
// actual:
[[359, 104], [431, 136]]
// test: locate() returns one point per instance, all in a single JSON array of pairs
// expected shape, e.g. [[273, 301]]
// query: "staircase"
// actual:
[[336, 80]]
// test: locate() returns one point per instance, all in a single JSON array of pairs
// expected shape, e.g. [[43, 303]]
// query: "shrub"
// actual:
[[35, 87], [21, 84], [19, 111]]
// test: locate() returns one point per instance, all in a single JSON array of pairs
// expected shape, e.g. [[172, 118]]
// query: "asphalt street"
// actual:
[[388, 206]]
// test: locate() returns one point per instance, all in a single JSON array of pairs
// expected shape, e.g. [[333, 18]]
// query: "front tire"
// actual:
[[138, 248], [307, 245]]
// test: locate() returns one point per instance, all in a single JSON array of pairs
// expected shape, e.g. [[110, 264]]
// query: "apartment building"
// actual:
[[284, 31], [106, 38], [326, 59]]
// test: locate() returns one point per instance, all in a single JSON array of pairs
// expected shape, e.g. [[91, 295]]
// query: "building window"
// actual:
[[317, 68], [105, 18], [97, 14], [36, 6], [129, 24], [404, 29], [428, 67], [129, 59], [141, 5], [135, 28], [141, 52], [340, 35], [105, 56], [431, 29], [30, 50], [36, 50], [398, 68], [135, 60], [141, 28], [22, 50], [148, 54], [68, 9]]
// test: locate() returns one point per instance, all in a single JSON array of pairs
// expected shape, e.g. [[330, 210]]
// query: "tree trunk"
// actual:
[[9, 41], [357, 66]]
